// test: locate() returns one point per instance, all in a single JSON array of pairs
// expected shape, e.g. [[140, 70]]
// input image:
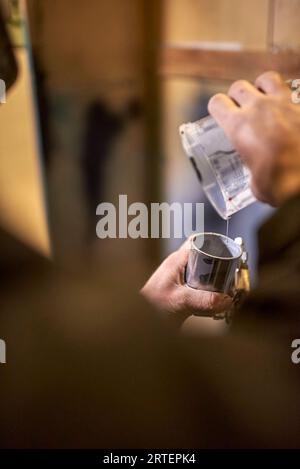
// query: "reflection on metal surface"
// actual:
[[212, 263]]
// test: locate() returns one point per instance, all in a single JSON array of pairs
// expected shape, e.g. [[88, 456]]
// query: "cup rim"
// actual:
[[227, 258]]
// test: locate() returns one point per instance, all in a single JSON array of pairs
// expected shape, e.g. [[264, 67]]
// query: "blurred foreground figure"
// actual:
[[88, 365]]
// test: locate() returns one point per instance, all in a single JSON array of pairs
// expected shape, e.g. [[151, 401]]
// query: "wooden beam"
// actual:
[[227, 65]]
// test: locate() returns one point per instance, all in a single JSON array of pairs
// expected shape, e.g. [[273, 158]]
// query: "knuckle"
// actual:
[[273, 75], [272, 78], [268, 75], [238, 86], [214, 101]]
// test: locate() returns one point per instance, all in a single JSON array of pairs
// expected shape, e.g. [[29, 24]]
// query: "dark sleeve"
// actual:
[[275, 302]]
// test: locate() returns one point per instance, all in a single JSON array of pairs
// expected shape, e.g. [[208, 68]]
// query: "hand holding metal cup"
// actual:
[[215, 264]]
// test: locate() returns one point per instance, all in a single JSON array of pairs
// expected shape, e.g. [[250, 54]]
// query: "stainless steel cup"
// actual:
[[212, 262]]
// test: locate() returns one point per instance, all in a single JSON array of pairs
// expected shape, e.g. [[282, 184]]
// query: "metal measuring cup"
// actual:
[[212, 264]]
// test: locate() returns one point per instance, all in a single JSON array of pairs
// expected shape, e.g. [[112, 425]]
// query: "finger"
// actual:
[[243, 92], [223, 109], [187, 243], [271, 83], [205, 302], [177, 261]]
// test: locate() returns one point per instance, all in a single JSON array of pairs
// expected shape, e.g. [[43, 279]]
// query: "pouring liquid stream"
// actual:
[[227, 227]]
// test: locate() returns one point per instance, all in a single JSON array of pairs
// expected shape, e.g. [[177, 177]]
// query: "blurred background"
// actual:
[[102, 87], [105, 88]]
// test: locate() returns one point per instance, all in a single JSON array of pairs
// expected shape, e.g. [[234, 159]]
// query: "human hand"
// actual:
[[264, 126], [167, 291]]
